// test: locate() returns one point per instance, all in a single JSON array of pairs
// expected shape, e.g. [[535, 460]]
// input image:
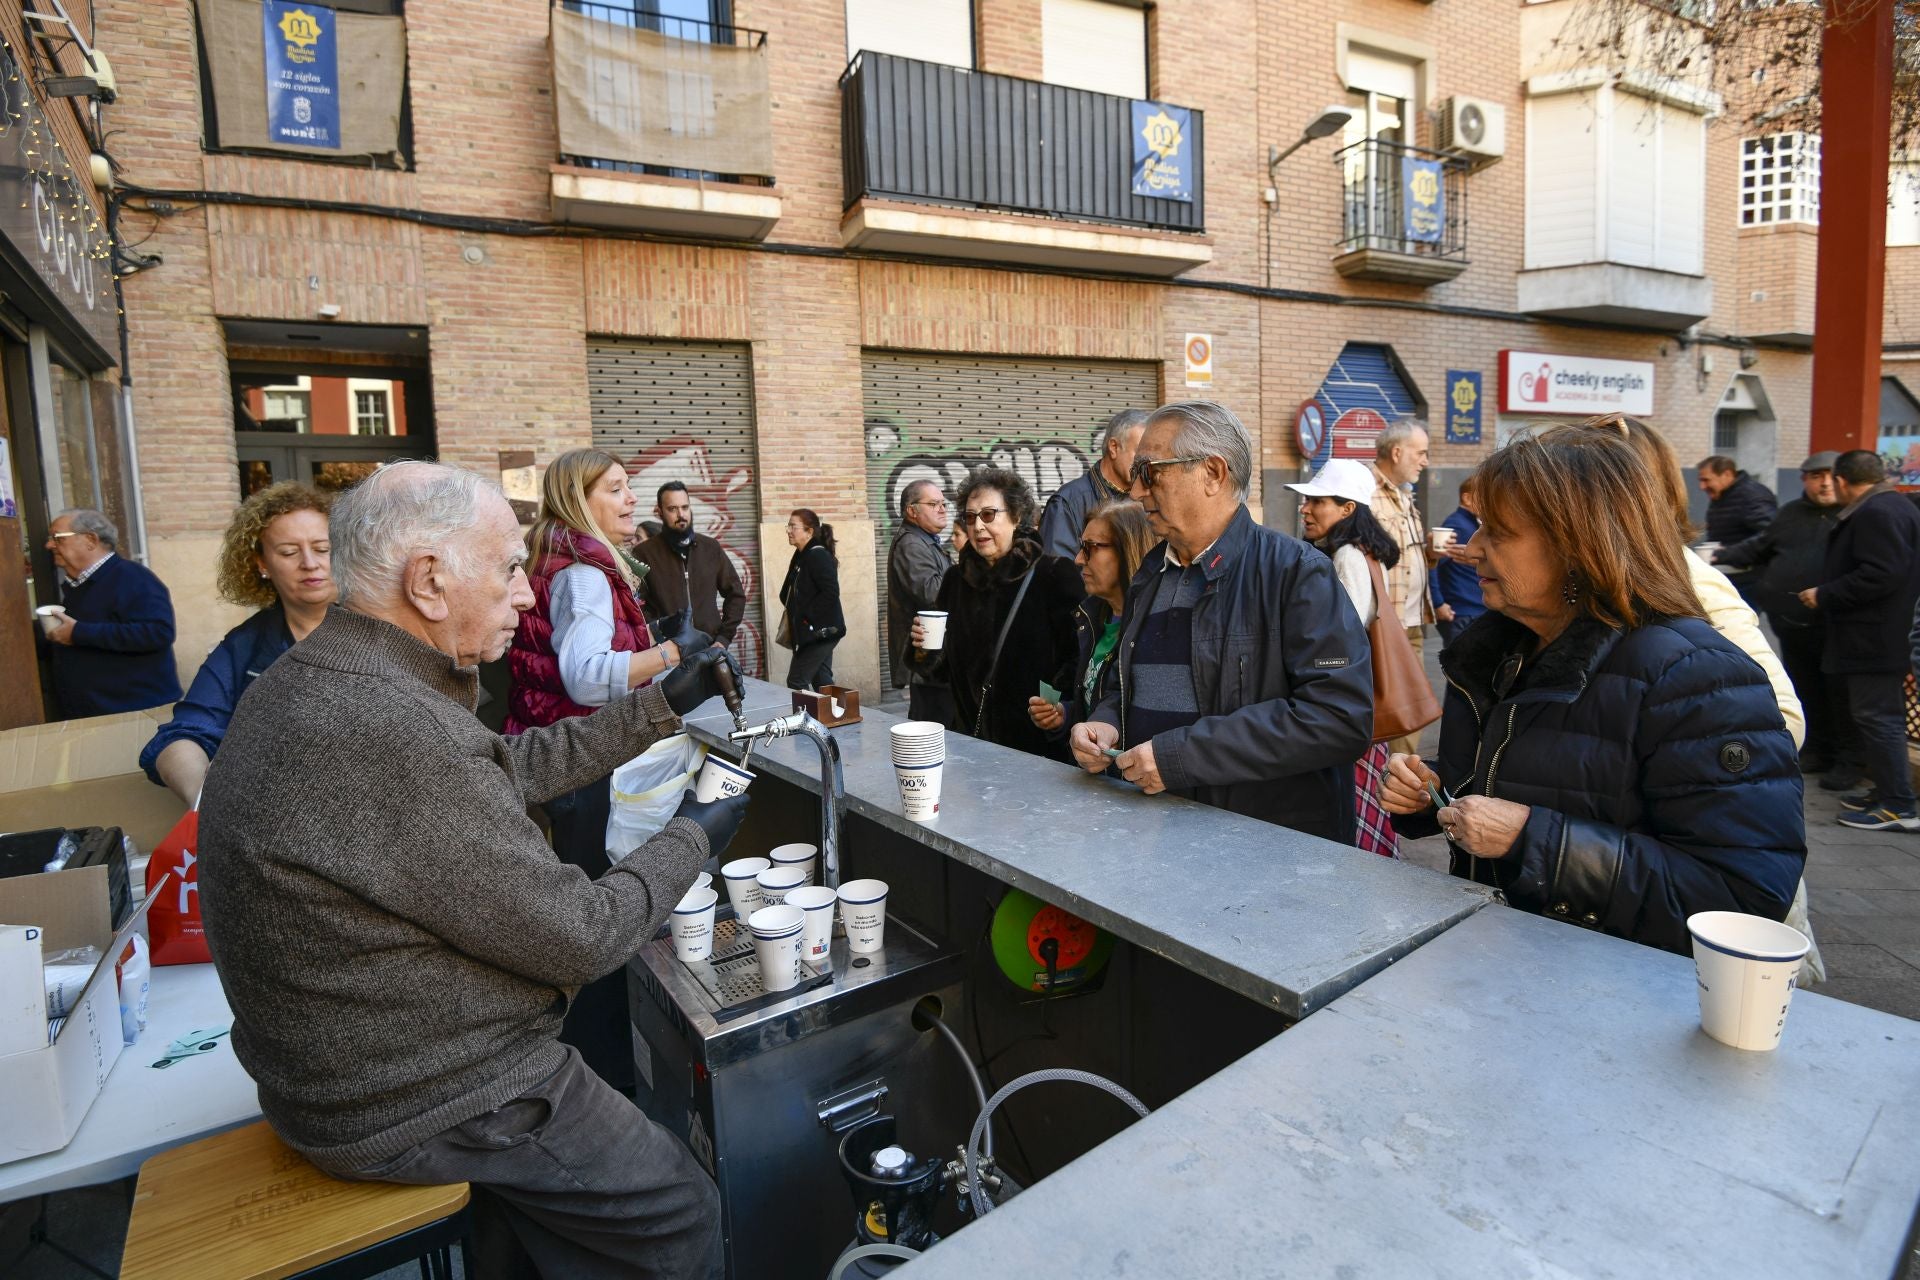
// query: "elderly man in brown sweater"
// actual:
[[397, 940]]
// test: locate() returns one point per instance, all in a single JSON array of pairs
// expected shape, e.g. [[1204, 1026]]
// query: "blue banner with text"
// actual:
[[1162, 154], [303, 74]]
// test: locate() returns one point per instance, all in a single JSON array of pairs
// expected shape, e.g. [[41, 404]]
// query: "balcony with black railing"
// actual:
[[942, 160], [664, 123], [1404, 213]]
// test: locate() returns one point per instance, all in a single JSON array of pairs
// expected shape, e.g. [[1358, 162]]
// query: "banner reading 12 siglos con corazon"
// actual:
[[303, 74]]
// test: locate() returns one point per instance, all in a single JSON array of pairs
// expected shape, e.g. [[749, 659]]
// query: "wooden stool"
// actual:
[[245, 1206]]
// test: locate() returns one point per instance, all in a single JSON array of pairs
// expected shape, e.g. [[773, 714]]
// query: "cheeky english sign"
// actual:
[[1543, 382]]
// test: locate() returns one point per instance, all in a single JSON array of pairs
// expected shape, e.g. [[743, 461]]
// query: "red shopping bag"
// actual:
[[173, 922]]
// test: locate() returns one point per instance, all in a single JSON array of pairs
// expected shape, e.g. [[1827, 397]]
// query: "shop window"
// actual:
[[375, 123], [939, 30], [1780, 179], [1099, 45]]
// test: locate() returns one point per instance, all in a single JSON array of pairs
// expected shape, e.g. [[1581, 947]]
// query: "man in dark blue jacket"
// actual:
[[1105, 481], [1246, 679], [1867, 591], [113, 648], [1452, 583]]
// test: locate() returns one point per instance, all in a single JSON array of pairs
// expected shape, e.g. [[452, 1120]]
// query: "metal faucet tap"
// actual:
[[833, 782]]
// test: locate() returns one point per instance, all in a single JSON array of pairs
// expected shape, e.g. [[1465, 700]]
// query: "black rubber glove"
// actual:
[[692, 683], [673, 625], [720, 819], [692, 640]]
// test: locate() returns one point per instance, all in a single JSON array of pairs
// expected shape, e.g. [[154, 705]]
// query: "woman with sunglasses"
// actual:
[[1112, 544], [1010, 614]]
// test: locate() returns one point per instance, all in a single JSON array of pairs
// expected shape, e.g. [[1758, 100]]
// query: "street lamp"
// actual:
[[1332, 120]]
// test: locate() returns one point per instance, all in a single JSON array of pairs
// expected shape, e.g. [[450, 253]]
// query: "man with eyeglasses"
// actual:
[[1245, 676], [916, 564], [112, 648], [1105, 481]]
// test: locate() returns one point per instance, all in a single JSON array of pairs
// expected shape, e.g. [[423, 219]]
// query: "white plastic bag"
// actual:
[[647, 791]]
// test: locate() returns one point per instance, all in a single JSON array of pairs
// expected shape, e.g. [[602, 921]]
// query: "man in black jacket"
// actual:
[[1105, 481], [1245, 676], [1867, 591], [1738, 506], [1786, 558]]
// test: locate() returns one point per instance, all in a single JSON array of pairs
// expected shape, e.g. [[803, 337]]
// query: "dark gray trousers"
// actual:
[[571, 1181]]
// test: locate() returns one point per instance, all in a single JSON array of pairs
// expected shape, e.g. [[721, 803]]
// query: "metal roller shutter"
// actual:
[[1363, 381], [684, 411], [932, 417]]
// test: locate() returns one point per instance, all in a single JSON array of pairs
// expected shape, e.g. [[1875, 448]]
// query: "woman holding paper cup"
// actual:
[[276, 558], [1336, 514], [1010, 614], [1606, 757], [1113, 542], [584, 644], [811, 597]]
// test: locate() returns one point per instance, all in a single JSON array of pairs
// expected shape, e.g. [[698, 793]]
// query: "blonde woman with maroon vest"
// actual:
[[582, 645]]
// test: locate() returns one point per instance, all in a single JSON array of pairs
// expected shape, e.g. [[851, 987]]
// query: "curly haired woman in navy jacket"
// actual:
[[1611, 759]]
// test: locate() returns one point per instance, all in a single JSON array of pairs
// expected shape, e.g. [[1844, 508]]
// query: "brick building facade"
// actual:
[[787, 340]]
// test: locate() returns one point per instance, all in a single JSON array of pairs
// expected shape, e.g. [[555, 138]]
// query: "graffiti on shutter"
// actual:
[[684, 411]]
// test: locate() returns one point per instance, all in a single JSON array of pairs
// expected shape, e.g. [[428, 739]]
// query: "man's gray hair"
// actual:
[[398, 512], [906, 495], [1399, 431], [1211, 430], [1118, 425], [87, 520]]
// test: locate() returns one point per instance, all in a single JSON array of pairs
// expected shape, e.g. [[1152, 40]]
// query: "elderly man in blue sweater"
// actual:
[[113, 646]]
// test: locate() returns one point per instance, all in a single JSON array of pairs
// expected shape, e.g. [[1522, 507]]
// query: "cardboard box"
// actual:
[[45, 1091]]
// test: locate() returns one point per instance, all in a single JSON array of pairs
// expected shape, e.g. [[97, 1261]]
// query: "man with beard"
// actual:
[[690, 580]]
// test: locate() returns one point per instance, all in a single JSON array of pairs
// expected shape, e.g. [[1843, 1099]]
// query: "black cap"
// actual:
[[1822, 461]]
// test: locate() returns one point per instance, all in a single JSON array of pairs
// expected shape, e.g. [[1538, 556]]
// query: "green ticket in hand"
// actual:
[[1049, 694]]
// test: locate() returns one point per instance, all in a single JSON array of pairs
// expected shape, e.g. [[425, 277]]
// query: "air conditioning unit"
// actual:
[[1472, 127]]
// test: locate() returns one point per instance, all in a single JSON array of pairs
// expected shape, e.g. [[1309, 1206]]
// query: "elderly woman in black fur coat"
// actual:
[[1000, 564]]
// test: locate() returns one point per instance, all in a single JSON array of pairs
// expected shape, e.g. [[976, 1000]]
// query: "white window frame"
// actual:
[[384, 401], [1903, 203], [1780, 180]]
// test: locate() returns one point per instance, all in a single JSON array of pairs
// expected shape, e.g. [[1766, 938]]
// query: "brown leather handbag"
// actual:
[[1403, 701]]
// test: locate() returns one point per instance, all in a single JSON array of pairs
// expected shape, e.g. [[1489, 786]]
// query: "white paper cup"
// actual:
[[933, 626], [704, 880], [693, 925], [777, 882], [743, 887], [720, 778], [1747, 967], [1441, 537], [777, 938], [863, 909], [920, 791], [50, 616], [817, 902], [917, 743], [803, 856]]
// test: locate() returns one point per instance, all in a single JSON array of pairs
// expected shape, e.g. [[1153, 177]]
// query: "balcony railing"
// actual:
[[1405, 213], [650, 93], [931, 134]]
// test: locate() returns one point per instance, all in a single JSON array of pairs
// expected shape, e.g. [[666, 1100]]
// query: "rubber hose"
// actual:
[[981, 1204], [979, 1090], [852, 1256]]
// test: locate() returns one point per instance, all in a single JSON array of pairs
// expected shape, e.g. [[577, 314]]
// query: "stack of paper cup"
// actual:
[[796, 855], [933, 629], [776, 940], [743, 885], [1747, 967], [777, 882], [720, 778], [693, 925], [863, 909], [919, 755], [816, 947]]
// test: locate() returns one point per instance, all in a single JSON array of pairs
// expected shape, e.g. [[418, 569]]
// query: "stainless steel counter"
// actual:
[[1287, 919], [1517, 1098]]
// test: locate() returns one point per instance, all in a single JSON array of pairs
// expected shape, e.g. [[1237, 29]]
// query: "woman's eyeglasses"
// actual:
[[1088, 546], [985, 515], [1143, 470]]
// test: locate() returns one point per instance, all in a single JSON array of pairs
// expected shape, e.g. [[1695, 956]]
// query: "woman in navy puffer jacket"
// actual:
[[1612, 761]]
